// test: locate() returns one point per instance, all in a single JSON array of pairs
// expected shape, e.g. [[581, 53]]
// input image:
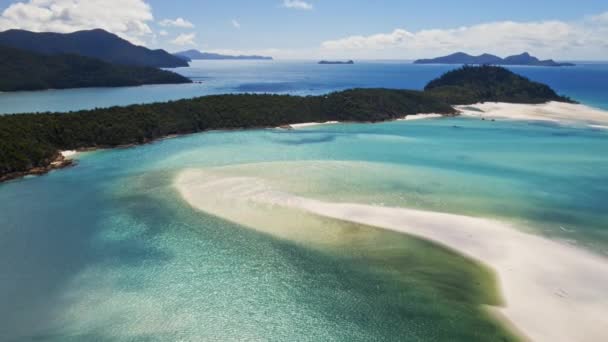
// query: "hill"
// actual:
[[98, 44], [463, 58], [471, 84], [197, 55], [24, 70], [30, 141]]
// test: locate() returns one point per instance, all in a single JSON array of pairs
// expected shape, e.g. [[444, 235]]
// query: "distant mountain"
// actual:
[[25, 70], [337, 62], [463, 58], [98, 44], [197, 55]]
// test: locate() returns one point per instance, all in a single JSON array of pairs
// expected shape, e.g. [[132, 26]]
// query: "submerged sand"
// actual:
[[555, 112], [553, 291]]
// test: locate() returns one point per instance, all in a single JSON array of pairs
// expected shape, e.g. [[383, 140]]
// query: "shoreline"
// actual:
[[59, 161], [567, 283], [46, 169], [561, 113], [555, 112]]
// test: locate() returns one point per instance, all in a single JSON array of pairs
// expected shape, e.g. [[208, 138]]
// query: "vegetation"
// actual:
[[23, 70], [32, 140], [472, 84]]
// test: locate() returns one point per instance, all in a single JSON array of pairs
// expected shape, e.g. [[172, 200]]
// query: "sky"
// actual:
[[358, 29]]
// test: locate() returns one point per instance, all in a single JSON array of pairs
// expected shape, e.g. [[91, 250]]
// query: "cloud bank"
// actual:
[[582, 39], [185, 39]]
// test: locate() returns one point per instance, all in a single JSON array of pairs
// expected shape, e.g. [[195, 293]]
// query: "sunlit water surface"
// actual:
[[108, 250]]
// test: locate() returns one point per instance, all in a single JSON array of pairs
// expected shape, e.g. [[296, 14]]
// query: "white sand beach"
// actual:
[[553, 291], [421, 117], [556, 112], [68, 154], [310, 124]]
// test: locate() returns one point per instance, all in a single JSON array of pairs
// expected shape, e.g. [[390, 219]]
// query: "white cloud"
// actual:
[[556, 39], [163, 33], [297, 4], [130, 22], [185, 39], [235, 24], [179, 22]]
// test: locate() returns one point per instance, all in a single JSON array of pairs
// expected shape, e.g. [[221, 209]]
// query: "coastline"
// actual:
[[561, 113], [567, 114], [61, 160], [569, 299]]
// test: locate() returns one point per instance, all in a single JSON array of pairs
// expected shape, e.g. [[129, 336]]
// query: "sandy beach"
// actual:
[[421, 117], [68, 154], [556, 112], [553, 291], [311, 124]]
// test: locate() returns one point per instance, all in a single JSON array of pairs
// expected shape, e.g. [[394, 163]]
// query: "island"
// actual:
[[337, 62], [189, 55], [524, 59], [32, 143], [24, 70], [98, 44]]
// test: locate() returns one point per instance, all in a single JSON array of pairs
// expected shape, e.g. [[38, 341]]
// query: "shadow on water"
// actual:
[[44, 247]]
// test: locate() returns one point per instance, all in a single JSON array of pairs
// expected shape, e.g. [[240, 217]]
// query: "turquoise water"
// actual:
[[585, 82], [108, 250]]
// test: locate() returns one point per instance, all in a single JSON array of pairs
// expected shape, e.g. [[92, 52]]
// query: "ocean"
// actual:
[[109, 250]]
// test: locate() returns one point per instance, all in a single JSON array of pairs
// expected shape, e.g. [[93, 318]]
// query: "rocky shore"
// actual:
[[59, 161]]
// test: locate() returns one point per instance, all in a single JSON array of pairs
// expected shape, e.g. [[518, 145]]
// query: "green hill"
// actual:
[[471, 84], [24, 70], [98, 44]]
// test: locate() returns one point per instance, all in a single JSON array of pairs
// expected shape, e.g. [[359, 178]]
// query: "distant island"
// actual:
[[97, 44], [198, 55], [24, 70], [337, 62], [463, 58], [31, 143]]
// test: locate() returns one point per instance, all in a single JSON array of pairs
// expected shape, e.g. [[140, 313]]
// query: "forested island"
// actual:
[[337, 62], [25, 70], [31, 143]]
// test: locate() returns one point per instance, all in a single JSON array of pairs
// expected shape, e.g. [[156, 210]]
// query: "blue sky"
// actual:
[[334, 28]]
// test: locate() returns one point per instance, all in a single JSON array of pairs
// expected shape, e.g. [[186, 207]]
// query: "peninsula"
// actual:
[[34, 141], [463, 58]]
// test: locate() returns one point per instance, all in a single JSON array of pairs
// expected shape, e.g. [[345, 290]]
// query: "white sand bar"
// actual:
[[557, 112], [553, 291]]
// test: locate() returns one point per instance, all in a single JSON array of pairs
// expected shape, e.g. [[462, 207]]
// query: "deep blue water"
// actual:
[[586, 83]]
